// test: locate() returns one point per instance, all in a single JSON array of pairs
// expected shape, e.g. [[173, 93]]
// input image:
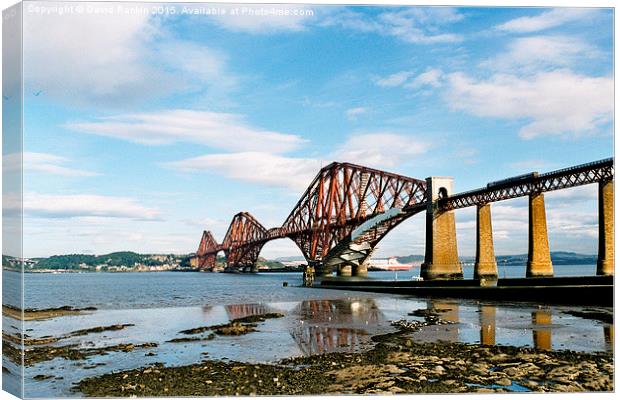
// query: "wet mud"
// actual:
[[236, 327], [396, 364], [32, 314]]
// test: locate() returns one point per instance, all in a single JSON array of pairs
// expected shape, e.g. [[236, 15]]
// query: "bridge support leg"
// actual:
[[441, 259], [486, 265], [538, 256], [605, 264]]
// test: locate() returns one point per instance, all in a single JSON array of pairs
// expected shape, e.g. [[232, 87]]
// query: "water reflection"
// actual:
[[487, 324], [541, 335], [608, 334], [448, 311], [235, 311], [334, 325]]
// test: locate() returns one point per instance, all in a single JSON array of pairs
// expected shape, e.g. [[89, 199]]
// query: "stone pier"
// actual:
[[345, 270], [441, 259], [605, 264], [486, 265], [361, 270], [538, 256], [320, 268]]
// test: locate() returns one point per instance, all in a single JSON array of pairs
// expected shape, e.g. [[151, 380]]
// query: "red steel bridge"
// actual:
[[348, 209]]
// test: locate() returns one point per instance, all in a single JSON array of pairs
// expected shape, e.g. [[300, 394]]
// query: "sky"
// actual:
[[145, 126]]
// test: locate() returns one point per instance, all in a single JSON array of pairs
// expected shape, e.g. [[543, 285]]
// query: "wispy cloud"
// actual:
[[560, 103], [415, 25], [218, 130], [255, 167], [396, 79], [79, 206], [42, 163], [538, 53], [353, 113], [431, 77], [546, 20], [421, 25], [379, 149]]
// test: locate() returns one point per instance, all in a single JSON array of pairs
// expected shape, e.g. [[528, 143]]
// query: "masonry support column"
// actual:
[[361, 270], [344, 270], [486, 265], [538, 256], [441, 259], [605, 264]]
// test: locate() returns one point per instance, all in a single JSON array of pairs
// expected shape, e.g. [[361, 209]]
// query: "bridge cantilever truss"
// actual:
[[340, 198], [348, 209]]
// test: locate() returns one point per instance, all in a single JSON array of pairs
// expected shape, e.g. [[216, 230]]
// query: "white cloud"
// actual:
[[261, 19], [537, 53], [397, 79], [219, 130], [112, 61], [546, 20], [554, 103], [380, 149], [255, 167], [90, 57], [353, 113], [41, 162], [80, 205]]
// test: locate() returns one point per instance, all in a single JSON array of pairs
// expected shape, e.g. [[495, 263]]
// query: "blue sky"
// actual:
[[143, 130]]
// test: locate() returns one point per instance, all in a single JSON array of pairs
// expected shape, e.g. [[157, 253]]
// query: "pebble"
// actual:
[[504, 382]]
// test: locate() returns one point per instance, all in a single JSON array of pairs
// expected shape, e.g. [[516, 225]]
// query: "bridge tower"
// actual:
[[605, 264], [441, 260], [538, 255], [486, 265]]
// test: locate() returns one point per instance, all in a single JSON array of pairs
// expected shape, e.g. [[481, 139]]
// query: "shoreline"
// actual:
[[394, 365]]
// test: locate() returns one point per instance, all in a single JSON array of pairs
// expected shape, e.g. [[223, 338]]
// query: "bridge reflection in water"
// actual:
[[512, 325], [322, 326], [334, 325], [541, 334]]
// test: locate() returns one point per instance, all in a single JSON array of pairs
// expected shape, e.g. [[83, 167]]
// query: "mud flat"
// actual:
[[395, 364], [31, 314]]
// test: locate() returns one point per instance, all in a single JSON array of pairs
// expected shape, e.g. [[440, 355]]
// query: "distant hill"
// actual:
[[557, 258], [88, 261], [289, 258]]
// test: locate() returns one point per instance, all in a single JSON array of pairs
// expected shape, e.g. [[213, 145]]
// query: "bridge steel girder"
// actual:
[[243, 241], [207, 252], [579, 175], [340, 198]]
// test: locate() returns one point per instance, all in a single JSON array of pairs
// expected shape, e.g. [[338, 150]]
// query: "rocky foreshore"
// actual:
[[396, 364]]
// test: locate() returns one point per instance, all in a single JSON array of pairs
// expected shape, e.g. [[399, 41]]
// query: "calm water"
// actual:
[[316, 321], [177, 289]]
